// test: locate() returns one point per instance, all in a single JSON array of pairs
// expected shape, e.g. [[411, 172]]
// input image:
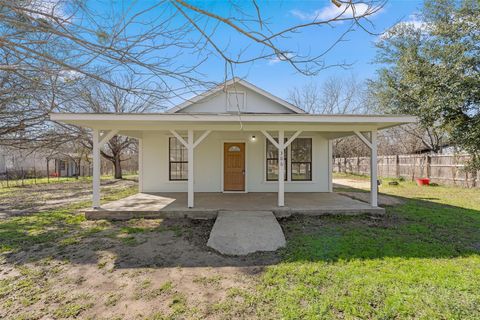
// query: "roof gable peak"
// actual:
[[223, 87]]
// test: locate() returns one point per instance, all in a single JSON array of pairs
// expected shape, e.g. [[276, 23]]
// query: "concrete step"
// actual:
[[244, 232]]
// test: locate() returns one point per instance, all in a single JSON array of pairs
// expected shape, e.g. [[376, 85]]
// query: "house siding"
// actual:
[[208, 164], [254, 103]]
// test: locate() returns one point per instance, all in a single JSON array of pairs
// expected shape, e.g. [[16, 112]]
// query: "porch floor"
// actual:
[[207, 205]]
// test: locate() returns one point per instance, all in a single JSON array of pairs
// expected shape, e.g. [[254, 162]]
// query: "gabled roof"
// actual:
[[230, 82]]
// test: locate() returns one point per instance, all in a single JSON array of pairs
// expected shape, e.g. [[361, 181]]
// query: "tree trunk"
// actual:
[[118, 167], [77, 168]]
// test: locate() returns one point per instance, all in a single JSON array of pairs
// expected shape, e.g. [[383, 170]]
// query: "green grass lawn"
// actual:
[[5, 185], [18, 233], [421, 261]]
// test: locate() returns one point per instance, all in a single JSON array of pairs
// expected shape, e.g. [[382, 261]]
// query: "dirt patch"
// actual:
[[383, 200], [306, 225], [129, 270], [351, 183]]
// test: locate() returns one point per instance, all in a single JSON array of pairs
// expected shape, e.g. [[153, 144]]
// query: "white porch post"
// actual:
[[96, 168], [281, 145], [373, 170], [372, 145], [281, 168], [190, 149], [330, 165], [98, 142], [190, 144]]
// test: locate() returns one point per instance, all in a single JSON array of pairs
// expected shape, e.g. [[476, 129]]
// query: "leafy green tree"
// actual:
[[431, 68]]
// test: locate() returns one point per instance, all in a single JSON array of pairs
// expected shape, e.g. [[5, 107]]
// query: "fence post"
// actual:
[[397, 166], [48, 170], [345, 165], [428, 167]]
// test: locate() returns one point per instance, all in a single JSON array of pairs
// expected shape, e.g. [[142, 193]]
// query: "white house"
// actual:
[[236, 138]]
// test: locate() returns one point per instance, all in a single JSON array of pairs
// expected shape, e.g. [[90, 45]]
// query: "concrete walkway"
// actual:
[[241, 233]]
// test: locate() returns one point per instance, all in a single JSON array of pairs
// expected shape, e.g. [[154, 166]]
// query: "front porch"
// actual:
[[208, 204]]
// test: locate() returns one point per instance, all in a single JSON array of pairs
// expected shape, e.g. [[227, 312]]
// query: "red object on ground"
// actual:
[[423, 181]]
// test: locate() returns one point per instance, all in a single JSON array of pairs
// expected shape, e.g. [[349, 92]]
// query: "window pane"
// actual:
[[178, 152], [272, 151], [272, 162], [178, 160], [178, 171], [301, 149], [302, 171], [272, 170]]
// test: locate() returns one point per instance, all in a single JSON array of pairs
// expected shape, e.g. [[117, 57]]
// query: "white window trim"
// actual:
[[244, 108], [289, 163]]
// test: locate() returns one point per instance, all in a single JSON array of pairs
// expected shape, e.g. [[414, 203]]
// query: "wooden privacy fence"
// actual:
[[439, 168]]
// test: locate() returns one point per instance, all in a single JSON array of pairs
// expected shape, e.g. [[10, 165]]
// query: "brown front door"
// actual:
[[234, 166]]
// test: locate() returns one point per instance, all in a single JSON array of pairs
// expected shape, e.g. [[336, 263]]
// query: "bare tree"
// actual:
[[335, 95], [94, 96], [49, 49], [165, 42]]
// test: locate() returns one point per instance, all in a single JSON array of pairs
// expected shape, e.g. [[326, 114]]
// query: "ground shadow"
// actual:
[[416, 229]]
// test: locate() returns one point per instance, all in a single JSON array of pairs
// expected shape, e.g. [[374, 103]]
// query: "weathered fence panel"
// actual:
[[439, 168]]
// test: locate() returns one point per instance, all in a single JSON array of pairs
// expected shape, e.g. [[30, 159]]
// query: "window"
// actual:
[[272, 162], [301, 160], [178, 160], [235, 101], [234, 149]]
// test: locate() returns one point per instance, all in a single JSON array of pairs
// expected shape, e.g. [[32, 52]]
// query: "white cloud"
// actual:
[[55, 8], [412, 21], [70, 75], [332, 11], [280, 57]]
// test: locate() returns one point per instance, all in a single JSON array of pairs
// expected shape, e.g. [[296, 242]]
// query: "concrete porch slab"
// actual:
[[241, 233], [207, 205]]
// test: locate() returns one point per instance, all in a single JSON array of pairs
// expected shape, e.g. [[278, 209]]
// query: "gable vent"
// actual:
[[236, 101]]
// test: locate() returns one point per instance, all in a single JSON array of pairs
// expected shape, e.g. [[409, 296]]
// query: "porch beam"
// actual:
[[270, 138], [107, 136], [364, 139], [295, 135], [179, 137], [200, 139]]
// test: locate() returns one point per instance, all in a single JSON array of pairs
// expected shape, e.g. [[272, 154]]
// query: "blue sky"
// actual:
[[278, 77], [359, 50]]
